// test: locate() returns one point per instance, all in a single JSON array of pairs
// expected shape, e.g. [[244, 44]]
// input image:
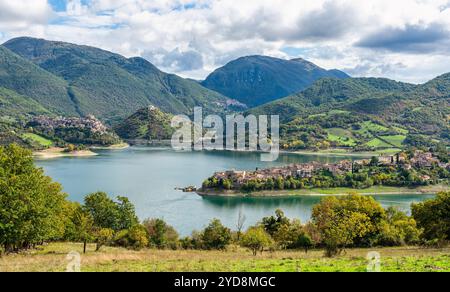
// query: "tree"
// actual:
[[288, 234], [161, 234], [256, 239], [279, 183], [136, 237], [227, 184], [103, 210], [433, 216], [126, 214], [31, 204], [216, 236], [398, 229], [304, 241], [109, 214], [84, 227], [103, 236], [272, 224], [374, 161], [348, 221], [240, 224]]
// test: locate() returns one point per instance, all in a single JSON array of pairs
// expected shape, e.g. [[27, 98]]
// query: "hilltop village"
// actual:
[[403, 169], [71, 130], [89, 123]]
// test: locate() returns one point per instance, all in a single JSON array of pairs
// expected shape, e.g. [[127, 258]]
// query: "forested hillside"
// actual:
[[255, 80], [94, 81], [365, 113]]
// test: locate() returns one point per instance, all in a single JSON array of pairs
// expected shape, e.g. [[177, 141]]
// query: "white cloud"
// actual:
[[20, 14], [192, 38]]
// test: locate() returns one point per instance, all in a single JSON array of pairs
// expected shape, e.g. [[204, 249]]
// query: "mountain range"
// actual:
[[365, 112], [69, 79], [318, 108]]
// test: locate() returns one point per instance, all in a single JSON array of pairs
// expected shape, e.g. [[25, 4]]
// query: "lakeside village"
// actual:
[[406, 169], [90, 123]]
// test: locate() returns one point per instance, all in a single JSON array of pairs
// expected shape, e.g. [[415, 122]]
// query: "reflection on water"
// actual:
[[148, 176]]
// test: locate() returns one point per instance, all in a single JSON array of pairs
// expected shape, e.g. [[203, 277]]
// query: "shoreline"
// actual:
[[337, 153], [54, 152], [120, 146], [427, 190]]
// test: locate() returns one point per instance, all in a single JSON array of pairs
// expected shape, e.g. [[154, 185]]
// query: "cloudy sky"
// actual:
[[407, 40]]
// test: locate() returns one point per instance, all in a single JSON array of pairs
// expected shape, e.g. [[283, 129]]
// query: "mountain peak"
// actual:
[[255, 80]]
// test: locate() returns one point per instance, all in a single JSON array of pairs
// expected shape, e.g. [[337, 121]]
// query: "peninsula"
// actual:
[[408, 172]]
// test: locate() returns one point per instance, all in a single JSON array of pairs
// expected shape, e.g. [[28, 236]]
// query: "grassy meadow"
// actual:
[[53, 258]]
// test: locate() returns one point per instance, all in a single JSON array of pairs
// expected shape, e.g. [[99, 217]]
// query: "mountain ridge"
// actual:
[[255, 80], [111, 86]]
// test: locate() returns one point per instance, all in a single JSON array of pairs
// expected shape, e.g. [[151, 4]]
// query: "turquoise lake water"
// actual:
[[149, 176]]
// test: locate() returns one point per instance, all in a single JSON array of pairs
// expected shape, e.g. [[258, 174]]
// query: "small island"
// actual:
[[409, 172]]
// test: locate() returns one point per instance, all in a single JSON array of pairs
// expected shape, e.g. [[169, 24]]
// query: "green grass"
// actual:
[[338, 112], [388, 151], [396, 140], [372, 127], [377, 143], [53, 258], [400, 130], [38, 139], [341, 136]]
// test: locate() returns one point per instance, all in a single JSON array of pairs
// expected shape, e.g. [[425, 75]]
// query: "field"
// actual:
[[342, 136], [395, 140], [38, 139], [368, 127], [54, 258], [378, 143]]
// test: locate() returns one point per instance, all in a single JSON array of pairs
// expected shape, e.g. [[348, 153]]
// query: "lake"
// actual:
[[149, 176]]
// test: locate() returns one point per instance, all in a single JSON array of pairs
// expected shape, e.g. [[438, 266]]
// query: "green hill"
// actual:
[[364, 113], [29, 80], [110, 86], [148, 123], [256, 80], [13, 105]]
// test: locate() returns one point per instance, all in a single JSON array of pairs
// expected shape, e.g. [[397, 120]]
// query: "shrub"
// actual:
[[161, 234], [103, 237], [136, 238]]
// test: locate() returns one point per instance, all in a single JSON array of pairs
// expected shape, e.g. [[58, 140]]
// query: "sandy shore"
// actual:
[[120, 146], [55, 152], [428, 190]]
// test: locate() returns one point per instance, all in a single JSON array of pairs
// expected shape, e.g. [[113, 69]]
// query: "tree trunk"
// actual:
[[84, 246]]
